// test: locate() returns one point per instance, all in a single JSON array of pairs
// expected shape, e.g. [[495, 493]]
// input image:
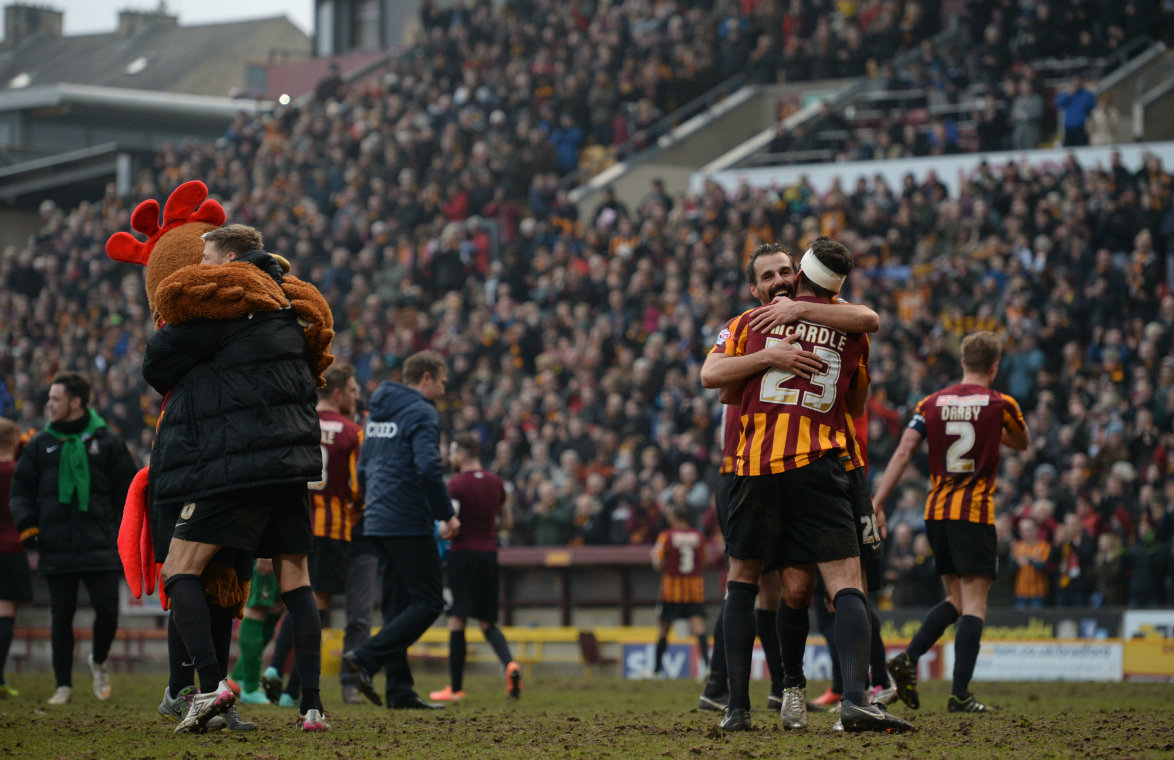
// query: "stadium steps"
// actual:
[[698, 141]]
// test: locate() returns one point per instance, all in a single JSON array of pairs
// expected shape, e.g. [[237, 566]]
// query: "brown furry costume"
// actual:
[[180, 288]]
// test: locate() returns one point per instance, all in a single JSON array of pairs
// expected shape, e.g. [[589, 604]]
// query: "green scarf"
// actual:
[[73, 474]]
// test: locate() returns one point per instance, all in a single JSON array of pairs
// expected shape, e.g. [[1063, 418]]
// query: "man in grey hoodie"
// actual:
[[402, 478]]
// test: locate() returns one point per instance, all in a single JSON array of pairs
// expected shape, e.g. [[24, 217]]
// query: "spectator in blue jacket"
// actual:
[[401, 475], [567, 139], [1076, 103]]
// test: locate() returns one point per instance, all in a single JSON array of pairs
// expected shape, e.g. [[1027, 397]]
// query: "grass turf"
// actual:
[[568, 717]]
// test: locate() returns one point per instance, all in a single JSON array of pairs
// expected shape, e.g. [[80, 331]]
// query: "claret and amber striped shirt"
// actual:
[[334, 507], [788, 421], [964, 425], [682, 556]]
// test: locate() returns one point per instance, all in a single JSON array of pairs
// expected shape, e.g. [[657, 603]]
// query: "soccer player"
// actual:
[[964, 423], [332, 514], [15, 580], [480, 499], [679, 554], [791, 504], [262, 612], [238, 443], [770, 274]]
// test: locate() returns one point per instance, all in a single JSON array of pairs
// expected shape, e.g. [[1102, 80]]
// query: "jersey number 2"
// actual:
[[956, 461]]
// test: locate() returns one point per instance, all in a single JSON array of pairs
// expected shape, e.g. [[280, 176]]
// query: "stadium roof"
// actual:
[[169, 103], [159, 57]]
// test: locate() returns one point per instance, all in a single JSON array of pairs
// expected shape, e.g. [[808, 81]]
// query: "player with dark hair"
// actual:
[[679, 555], [770, 274], [964, 424], [802, 588], [479, 497], [791, 505]]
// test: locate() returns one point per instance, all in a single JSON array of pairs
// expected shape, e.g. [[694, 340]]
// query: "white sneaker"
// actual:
[[313, 720], [838, 726], [101, 678], [204, 707], [62, 696]]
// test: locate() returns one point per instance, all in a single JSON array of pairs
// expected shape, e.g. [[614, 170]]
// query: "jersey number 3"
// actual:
[[321, 484]]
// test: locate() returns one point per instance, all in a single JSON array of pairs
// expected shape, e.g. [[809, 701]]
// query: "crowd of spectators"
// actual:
[[575, 343], [995, 85]]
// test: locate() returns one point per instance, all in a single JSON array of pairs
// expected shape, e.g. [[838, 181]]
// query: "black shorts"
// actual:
[[721, 499], [963, 548], [667, 612], [266, 521], [871, 548], [472, 578], [163, 518], [328, 563], [16, 580], [793, 518]]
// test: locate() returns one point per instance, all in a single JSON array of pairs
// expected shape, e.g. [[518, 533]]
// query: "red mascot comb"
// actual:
[[188, 203]]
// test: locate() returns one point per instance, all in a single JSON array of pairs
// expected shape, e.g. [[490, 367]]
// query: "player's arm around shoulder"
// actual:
[[849, 317], [729, 365]]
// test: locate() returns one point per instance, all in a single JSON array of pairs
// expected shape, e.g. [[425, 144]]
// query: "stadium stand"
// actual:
[[426, 206]]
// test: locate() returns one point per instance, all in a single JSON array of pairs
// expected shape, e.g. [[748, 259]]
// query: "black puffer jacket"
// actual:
[[72, 541], [241, 409]]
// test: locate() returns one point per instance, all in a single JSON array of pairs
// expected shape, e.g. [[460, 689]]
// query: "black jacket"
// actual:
[[400, 469], [241, 406], [72, 541]]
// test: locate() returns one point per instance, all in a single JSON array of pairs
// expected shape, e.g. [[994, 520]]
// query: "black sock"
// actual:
[[717, 684], [6, 632], [793, 626], [179, 663], [293, 684], [880, 675], [662, 644], [826, 620], [501, 647], [703, 648], [221, 618], [853, 636], [189, 609], [456, 659], [933, 625], [738, 620], [967, 640], [307, 643], [282, 644]]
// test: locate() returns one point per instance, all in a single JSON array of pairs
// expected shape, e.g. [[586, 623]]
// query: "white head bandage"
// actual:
[[820, 274]]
